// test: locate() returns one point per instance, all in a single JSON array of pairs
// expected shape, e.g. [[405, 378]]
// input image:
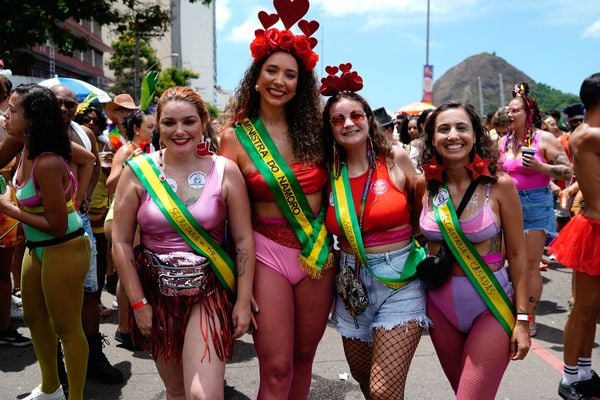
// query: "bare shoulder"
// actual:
[[547, 137], [504, 186], [585, 138], [229, 145]]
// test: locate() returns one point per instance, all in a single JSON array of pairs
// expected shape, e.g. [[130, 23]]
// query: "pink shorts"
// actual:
[[285, 260]]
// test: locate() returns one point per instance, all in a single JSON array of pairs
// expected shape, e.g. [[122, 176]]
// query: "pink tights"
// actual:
[[291, 321], [473, 362]]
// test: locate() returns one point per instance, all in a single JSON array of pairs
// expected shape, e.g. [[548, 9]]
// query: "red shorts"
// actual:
[[578, 245]]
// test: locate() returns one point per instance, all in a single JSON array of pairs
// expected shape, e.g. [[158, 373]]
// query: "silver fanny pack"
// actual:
[[179, 273]]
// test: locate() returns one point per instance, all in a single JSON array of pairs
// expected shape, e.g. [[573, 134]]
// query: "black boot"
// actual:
[[98, 365], [62, 372]]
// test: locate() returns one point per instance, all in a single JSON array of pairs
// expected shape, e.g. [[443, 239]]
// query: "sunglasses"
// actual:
[[91, 121], [339, 120], [69, 104]]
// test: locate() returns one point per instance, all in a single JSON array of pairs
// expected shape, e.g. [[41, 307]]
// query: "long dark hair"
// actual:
[[46, 130], [380, 144], [404, 135], [483, 145], [303, 111]]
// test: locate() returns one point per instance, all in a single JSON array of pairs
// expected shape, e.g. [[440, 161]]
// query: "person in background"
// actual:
[[98, 365], [473, 344], [386, 124], [54, 270], [9, 228], [499, 123], [93, 118], [410, 139], [139, 127], [532, 157], [116, 110], [278, 102], [186, 319], [577, 248], [373, 184]]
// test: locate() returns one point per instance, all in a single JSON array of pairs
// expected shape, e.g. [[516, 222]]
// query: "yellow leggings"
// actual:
[[52, 291]]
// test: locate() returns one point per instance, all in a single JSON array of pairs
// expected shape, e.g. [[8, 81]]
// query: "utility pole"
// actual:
[[481, 108], [502, 99]]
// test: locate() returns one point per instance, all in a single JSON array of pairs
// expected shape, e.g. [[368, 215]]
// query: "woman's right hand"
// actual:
[[143, 319]]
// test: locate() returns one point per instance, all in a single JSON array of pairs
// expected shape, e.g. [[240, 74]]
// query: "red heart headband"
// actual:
[[269, 40], [347, 81]]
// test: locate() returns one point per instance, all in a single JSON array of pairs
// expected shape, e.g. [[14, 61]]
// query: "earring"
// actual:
[[371, 156], [433, 170], [479, 167], [336, 161], [256, 88], [203, 148]]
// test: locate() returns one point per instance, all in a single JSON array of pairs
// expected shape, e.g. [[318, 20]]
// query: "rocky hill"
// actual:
[[461, 83]]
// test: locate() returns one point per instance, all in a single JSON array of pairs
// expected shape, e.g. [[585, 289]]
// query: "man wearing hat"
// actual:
[[116, 110], [386, 123]]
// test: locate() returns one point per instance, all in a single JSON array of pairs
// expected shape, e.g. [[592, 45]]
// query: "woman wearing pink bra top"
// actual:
[[472, 346], [532, 157], [188, 325]]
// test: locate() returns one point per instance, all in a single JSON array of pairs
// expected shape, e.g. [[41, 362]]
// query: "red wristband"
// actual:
[[139, 304]]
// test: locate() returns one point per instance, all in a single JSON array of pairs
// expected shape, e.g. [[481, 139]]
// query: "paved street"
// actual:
[[534, 378]]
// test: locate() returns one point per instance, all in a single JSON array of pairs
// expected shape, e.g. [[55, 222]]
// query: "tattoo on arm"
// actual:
[[495, 244], [560, 159], [561, 172], [242, 259]]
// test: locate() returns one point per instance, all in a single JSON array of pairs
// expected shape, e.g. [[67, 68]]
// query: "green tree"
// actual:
[[174, 76], [549, 98], [29, 23], [25, 24], [122, 63]]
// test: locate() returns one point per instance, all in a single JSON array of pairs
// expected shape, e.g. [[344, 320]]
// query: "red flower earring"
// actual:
[[479, 167], [433, 170], [203, 148]]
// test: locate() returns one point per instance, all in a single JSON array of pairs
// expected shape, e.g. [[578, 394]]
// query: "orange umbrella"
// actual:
[[415, 108]]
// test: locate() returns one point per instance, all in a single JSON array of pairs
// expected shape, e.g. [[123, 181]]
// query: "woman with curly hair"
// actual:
[[474, 330], [532, 158], [374, 184], [274, 135], [59, 257]]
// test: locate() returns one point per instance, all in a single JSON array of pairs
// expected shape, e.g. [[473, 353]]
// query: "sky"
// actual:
[[552, 41]]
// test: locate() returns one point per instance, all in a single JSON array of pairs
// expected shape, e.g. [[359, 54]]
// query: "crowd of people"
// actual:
[[296, 210]]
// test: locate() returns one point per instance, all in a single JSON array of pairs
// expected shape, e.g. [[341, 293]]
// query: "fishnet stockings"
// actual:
[[381, 369]]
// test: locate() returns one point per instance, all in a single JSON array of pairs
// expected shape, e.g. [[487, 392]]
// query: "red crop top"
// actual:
[[386, 209], [311, 179]]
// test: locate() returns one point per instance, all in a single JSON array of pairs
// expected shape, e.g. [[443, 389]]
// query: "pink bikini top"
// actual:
[[157, 234], [478, 228], [524, 178]]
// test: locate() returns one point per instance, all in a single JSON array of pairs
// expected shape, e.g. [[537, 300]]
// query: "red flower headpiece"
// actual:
[[269, 40], [348, 81]]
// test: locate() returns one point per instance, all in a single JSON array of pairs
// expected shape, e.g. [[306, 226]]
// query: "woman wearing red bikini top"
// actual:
[[369, 211], [274, 136]]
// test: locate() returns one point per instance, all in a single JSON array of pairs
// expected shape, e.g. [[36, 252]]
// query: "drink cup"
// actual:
[[530, 151]]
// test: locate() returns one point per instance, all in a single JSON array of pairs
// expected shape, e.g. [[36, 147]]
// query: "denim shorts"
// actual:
[[90, 283], [538, 210], [388, 308]]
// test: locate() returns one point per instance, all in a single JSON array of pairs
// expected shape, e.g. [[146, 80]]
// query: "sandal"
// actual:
[[16, 291]]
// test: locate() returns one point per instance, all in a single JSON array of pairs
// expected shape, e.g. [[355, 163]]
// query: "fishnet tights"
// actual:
[[381, 369]]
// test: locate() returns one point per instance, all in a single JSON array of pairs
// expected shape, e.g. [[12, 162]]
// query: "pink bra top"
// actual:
[[478, 228], [157, 234], [524, 178]]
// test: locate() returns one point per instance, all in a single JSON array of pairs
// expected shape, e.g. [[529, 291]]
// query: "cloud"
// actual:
[[223, 13], [592, 31]]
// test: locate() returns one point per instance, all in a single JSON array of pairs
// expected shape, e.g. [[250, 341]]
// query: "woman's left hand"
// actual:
[[531, 162], [520, 341]]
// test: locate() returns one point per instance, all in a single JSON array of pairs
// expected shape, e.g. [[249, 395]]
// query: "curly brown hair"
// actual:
[[303, 111], [484, 146], [381, 146]]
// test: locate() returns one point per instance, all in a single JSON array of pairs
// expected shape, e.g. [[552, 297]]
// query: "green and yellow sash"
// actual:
[[311, 231], [182, 220], [348, 221], [476, 269]]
